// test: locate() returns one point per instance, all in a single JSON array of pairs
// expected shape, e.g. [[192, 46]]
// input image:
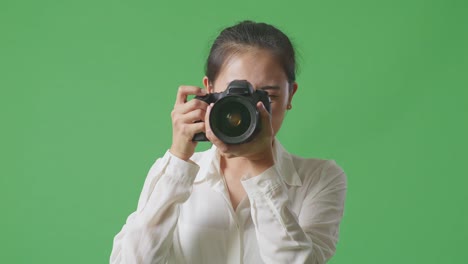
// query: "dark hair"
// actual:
[[249, 34]]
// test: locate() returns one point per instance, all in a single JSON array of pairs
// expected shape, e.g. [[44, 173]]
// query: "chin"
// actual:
[[227, 155]]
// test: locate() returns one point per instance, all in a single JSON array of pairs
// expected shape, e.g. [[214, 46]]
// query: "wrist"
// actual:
[[180, 154]]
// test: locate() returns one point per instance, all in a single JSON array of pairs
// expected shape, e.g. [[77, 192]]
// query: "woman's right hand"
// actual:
[[184, 125]]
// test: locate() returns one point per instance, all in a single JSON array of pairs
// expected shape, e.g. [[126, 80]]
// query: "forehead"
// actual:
[[259, 67]]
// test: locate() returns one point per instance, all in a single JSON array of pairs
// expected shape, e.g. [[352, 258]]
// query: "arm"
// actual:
[[284, 238], [148, 233]]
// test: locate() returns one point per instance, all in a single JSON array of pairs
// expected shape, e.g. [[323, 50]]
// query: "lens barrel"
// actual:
[[234, 119]]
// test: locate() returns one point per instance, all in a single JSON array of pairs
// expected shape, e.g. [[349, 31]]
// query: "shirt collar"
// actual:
[[210, 171], [209, 166], [284, 164]]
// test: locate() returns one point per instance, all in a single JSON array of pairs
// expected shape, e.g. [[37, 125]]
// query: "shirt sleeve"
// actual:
[[284, 237], [147, 234]]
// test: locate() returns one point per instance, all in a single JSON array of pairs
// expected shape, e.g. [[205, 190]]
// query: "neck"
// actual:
[[234, 167]]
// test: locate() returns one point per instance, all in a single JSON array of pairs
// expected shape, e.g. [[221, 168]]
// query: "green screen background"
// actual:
[[87, 88]]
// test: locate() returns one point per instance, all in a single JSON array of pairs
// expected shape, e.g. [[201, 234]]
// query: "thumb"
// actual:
[[263, 111], [265, 116]]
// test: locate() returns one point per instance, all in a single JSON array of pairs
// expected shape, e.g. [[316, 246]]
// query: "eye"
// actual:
[[273, 96]]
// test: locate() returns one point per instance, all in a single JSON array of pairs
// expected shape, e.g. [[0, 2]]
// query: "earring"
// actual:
[[289, 107]]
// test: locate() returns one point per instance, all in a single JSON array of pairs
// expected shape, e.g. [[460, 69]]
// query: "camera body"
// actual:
[[234, 118]]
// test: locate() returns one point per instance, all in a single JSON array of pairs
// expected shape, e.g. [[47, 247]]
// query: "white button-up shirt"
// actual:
[[291, 213]]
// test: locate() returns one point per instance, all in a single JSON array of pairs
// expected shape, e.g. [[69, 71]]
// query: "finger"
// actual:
[[264, 114], [265, 117], [190, 106], [196, 128], [185, 90], [193, 116], [189, 130]]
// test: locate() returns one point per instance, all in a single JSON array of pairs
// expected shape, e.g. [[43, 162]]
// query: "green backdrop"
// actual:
[[87, 88]]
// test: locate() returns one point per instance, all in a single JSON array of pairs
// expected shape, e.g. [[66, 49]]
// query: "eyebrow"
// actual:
[[267, 87], [275, 87]]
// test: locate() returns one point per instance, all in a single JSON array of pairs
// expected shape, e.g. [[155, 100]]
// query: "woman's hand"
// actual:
[[184, 125], [258, 151]]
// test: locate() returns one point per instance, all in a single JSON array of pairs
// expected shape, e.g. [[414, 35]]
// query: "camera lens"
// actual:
[[233, 119]]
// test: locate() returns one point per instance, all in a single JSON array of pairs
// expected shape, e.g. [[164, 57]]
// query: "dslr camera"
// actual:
[[234, 118]]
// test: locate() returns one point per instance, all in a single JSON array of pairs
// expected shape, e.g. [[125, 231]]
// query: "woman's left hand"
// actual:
[[258, 151]]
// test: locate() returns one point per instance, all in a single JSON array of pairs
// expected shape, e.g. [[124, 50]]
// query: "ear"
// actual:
[[208, 85], [292, 91]]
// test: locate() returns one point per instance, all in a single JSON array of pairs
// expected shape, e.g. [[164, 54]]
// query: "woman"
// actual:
[[247, 203]]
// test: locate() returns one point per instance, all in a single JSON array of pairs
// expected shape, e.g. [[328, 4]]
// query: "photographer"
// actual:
[[251, 202]]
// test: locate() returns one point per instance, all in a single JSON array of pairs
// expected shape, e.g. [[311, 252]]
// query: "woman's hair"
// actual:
[[245, 36]]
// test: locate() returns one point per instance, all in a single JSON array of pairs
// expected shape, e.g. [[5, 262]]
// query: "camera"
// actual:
[[234, 118]]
